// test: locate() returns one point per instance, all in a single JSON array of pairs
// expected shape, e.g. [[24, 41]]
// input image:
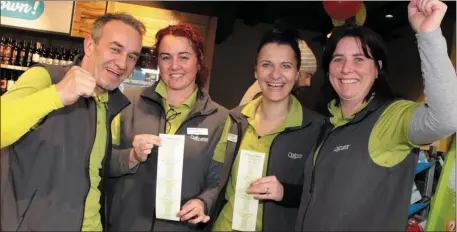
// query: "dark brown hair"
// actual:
[[373, 48], [283, 34]]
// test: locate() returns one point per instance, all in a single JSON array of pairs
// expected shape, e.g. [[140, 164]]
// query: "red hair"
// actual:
[[187, 31]]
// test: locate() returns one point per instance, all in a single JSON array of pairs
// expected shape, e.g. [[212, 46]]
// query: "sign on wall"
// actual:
[[52, 16]]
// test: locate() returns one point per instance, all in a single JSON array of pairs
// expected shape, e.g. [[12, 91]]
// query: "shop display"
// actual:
[[140, 77], [18, 55], [438, 214], [7, 79], [416, 195], [443, 209], [27, 53], [145, 73], [416, 224]]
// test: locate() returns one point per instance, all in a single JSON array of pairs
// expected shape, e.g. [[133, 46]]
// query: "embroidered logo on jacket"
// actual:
[[198, 138], [341, 148], [294, 155]]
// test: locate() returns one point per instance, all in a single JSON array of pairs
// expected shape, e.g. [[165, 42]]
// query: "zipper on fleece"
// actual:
[[87, 170], [268, 165], [27, 209], [313, 173]]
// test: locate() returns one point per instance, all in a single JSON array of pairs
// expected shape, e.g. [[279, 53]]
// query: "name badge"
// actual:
[[232, 138], [197, 131]]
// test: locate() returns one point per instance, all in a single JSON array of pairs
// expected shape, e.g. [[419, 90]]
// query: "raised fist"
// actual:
[[76, 83]]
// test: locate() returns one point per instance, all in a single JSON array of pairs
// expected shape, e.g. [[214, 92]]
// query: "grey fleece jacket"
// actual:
[[132, 196], [438, 117]]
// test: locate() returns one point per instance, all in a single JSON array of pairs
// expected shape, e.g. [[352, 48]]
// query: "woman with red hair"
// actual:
[[176, 104]]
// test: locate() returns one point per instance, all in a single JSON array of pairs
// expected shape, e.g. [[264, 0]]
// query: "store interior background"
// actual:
[[232, 32], [233, 62], [240, 26]]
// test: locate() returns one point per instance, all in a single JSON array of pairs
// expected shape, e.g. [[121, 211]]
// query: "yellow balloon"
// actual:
[[337, 22], [360, 17]]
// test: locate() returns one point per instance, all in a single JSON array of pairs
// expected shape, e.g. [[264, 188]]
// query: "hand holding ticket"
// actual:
[[169, 176]]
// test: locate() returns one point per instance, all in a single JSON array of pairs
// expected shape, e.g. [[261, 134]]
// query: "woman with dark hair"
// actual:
[[274, 128], [178, 105], [308, 67], [360, 177]]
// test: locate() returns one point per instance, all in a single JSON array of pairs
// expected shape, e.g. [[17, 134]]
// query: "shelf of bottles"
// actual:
[[16, 56], [13, 67], [17, 53], [7, 79]]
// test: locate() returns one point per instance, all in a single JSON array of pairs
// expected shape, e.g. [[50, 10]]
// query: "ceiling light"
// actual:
[[389, 16]]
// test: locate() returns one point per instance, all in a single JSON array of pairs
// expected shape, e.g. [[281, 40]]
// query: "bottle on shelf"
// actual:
[[2, 46], [56, 58], [7, 51], [29, 54], [62, 56], [11, 80], [51, 55], [3, 81], [8, 79], [36, 53], [26, 53], [44, 54], [71, 56], [15, 53], [22, 61]]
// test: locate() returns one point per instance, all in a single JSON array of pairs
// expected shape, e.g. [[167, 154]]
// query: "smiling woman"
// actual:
[[367, 185], [356, 64], [276, 129], [277, 71], [177, 104], [189, 54]]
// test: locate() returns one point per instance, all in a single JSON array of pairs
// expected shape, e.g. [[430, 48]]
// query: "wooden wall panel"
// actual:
[[153, 18], [84, 15]]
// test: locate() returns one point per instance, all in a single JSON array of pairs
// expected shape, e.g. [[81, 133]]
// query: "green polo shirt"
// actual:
[[338, 119], [182, 109], [92, 220], [251, 141], [175, 122], [388, 144]]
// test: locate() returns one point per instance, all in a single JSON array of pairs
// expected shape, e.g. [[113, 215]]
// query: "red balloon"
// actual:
[[342, 10]]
